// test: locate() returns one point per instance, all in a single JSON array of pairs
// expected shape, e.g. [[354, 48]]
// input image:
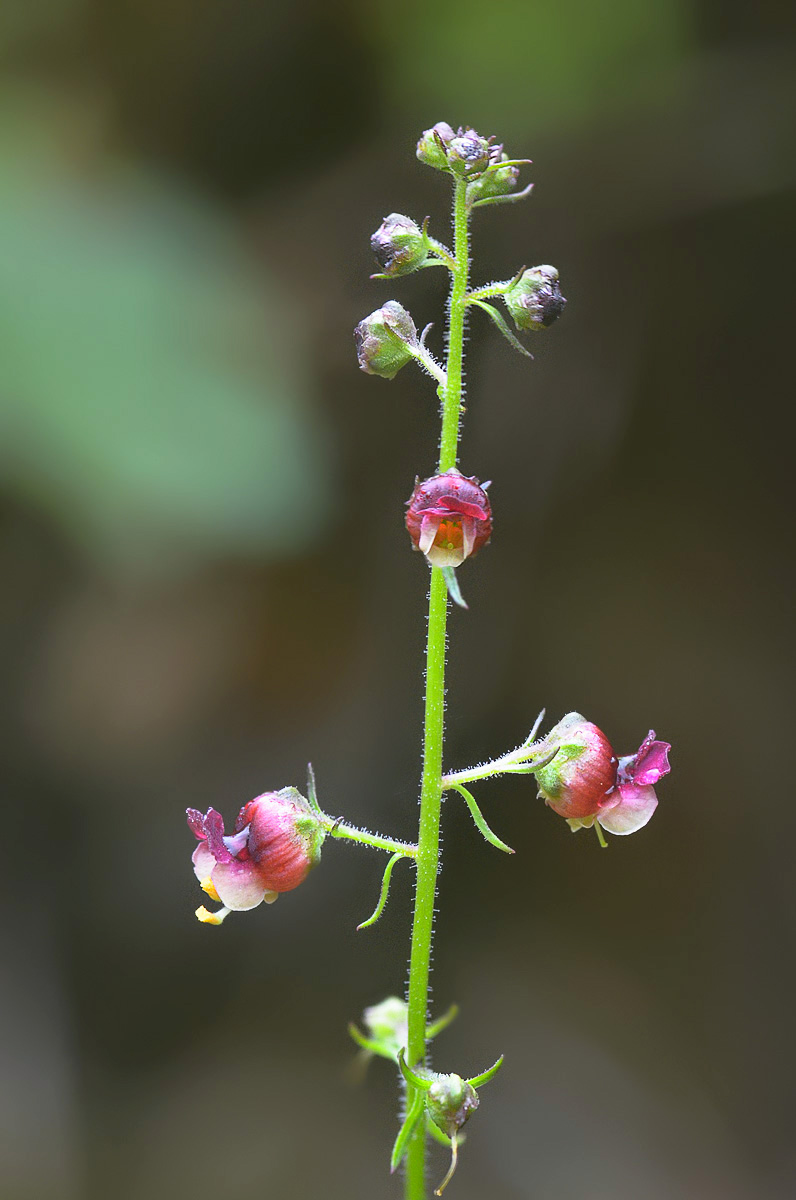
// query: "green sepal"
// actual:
[[436, 1027], [479, 1080], [507, 198], [411, 1119], [417, 1081], [532, 735], [548, 776], [312, 795], [530, 768], [385, 890], [369, 1044], [438, 1134], [478, 818], [503, 327], [452, 584]]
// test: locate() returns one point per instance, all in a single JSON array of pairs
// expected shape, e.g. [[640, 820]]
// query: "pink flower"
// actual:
[[449, 518], [585, 782], [276, 840]]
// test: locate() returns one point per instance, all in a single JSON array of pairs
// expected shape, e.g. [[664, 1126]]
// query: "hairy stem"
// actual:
[[431, 790], [341, 829]]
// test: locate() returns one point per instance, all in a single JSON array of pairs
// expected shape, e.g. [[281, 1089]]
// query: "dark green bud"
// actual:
[[535, 300], [399, 245], [468, 153], [498, 182], [450, 1102], [386, 340], [432, 149]]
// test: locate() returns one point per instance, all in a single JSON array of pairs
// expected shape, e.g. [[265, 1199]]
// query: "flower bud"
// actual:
[[429, 150], [450, 1102], [585, 783], [468, 153], [386, 1024], [498, 182], [399, 245], [276, 841], [383, 340], [535, 300], [449, 518], [583, 771]]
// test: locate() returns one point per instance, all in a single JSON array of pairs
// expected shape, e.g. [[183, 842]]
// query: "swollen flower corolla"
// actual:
[[449, 518], [586, 783], [276, 841]]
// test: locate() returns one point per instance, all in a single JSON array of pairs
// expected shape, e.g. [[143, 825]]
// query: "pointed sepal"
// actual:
[[452, 584], [502, 326], [479, 1080], [385, 891], [478, 819], [407, 1129]]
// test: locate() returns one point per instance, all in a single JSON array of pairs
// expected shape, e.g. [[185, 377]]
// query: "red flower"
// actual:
[[449, 518], [585, 782], [276, 840]]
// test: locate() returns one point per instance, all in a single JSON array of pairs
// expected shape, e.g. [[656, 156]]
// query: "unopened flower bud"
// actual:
[[386, 1024], [449, 518], [498, 182], [276, 840], [535, 300], [399, 245], [583, 771], [429, 150], [585, 782], [450, 1102], [385, 339], [468, 153]]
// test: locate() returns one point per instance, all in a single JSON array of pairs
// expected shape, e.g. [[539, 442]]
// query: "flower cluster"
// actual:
[[586, 783], [276, 840]]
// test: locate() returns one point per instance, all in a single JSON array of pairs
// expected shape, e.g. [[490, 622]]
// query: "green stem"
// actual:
[[492, 289], [340, 829], [431, 789], [451, 413]]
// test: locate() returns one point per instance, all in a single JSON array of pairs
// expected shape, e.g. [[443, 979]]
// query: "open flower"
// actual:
[[276, 840], [586, 783], [449, 518]]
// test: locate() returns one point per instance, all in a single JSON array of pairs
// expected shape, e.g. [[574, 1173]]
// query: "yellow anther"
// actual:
[[208, 886], [211, 918]]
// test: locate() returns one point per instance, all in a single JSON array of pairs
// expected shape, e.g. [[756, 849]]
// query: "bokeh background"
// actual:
[[206, 582]]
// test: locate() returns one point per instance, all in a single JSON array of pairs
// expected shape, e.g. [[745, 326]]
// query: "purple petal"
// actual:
[[196, 823], [636, 806], [214, 825], [651, 761], [454, 505]]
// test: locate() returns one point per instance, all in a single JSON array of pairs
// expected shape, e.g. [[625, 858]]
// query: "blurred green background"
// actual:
[[206, 582]]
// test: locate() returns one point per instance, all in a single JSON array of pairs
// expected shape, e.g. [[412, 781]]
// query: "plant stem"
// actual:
[[451, 412], [340, 829], [431, 789], [492, 289]]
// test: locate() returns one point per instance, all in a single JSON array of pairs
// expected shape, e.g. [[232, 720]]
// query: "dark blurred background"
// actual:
[[206, 582]]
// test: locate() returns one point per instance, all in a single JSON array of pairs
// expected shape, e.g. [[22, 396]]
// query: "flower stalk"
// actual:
[[433, 728], [277, 837]]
